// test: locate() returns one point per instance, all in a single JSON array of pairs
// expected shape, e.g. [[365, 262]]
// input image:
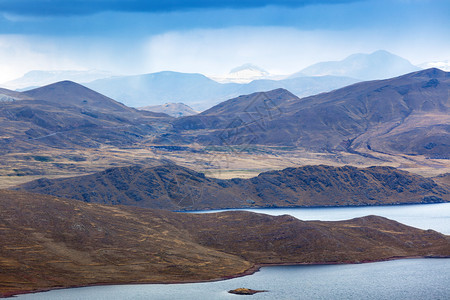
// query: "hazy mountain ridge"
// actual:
[[200, 92], [377, 65], [51, 242], [177, 188], [39, 78]]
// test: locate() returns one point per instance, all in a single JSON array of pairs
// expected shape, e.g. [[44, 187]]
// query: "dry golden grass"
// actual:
[[18, 168]]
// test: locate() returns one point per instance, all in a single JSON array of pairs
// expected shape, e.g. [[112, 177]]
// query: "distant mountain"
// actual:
[[40, 78], [244, 74], [377, 65], [172, 109], [194, 90], [50, 242], [200, 92], [442, 65], [406, 114], [177, 188], [68, 115]]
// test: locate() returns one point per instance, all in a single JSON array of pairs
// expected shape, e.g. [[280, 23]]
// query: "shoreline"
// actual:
[[250, 271], [243, 208]]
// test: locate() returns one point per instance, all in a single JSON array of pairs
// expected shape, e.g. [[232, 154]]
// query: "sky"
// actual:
[[212, 37]]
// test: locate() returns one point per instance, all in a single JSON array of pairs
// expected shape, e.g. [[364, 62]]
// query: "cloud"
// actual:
[[19, 54], [82, 7]]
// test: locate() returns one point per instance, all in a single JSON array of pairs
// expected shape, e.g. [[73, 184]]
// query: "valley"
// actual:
[[195, 149]]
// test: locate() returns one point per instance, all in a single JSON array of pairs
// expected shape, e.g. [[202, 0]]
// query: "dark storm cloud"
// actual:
[[83, 7]]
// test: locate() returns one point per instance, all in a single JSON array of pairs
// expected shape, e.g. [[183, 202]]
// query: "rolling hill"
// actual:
[[50, 242], [173, 187]]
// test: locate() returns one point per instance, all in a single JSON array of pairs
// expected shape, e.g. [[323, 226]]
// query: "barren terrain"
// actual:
[[49, 242]]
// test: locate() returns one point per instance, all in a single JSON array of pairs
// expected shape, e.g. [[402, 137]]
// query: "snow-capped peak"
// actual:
[[243, 74]]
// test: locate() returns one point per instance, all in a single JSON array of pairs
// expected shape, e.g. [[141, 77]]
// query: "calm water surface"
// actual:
[[401, 279], [412, 279]]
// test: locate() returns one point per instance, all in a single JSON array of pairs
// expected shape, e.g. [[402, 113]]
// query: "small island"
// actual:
[[245, 291]]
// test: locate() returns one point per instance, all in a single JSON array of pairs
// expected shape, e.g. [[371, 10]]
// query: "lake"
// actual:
[[399, 279], [424, 216]]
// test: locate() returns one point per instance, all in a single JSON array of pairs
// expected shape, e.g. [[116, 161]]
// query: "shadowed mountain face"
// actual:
[[50, 242], [177, 188], [408, 114], [68, 115]]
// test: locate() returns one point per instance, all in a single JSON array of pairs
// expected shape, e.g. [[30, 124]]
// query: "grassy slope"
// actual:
[[50, 242]]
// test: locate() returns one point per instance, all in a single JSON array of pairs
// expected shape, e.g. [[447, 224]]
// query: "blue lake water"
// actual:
[[412, 279], [399, 279]]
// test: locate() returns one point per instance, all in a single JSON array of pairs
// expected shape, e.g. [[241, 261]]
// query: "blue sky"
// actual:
[[212, 37]]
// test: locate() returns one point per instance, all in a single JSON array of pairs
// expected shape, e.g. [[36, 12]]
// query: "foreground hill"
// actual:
[[174, 187], [403, 115], [50, 242], [69, 115]]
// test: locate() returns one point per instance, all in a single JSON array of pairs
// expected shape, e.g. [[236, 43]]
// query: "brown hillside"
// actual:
[[178, 188], [49, 242], [67, 115], [407, 114]]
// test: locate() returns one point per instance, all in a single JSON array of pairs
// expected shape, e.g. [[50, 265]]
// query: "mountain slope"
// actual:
[[406, 114], [71, 93], [8, 95], [67, 115], [177, 188], [377, 65], [50, 242]]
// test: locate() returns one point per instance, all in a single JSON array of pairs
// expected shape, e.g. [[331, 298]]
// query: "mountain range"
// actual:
[[406, 114], [200, 92], [377, 65], [401, 115], [50, 242], [173, 187]]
